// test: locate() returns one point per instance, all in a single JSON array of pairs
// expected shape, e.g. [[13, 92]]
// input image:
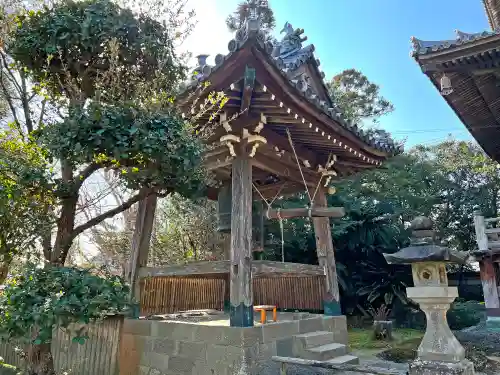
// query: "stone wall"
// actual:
[[169, 348]]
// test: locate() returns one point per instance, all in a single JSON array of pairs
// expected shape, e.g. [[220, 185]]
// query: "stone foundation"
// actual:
[[172, 348], [420, 367]]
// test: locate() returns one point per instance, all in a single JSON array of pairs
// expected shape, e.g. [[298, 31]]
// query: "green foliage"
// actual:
[[46, 298], [72, 47], [235, 21], [25, 195], [356, 97], [465, 314], [147, 148]]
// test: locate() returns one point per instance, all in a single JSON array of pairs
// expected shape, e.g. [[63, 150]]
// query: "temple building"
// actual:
[[466, 70]]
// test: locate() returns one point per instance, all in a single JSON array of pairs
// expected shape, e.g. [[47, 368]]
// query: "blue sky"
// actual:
[[374, 37]]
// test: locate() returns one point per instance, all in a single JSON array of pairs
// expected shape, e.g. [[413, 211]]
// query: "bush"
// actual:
[[465, 314], [52, 297], [406, 316]]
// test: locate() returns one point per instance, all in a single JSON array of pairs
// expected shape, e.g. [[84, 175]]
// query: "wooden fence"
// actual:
[[97, 356], [163, 295]]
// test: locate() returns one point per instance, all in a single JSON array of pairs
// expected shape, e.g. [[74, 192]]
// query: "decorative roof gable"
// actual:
[[295, 62]]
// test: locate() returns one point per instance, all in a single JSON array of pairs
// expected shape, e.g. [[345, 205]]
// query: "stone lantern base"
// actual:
[[422, 367]]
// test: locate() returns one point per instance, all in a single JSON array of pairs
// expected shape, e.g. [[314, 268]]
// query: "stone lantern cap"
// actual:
[[423, 247]]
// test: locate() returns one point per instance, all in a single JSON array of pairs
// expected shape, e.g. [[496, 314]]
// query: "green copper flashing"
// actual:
[[241, 316], [332, 308]]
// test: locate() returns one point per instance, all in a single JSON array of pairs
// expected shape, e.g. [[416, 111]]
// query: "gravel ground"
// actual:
[[480, 336]]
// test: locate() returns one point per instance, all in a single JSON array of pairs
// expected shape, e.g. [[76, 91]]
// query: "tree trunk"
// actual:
[[4, 270], [65, 228], [40, 360]]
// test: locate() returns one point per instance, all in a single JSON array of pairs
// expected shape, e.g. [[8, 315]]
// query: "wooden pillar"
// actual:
[[326, 258], [490, 290], [140, 242], [480, 226], [227, 277], [241, 314]]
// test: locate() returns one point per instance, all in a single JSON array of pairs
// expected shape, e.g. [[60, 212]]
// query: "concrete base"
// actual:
[[493, 323], [420, 367], [177, 348]]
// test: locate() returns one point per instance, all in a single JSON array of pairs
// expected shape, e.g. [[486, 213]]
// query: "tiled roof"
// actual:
[[421, 47], [288, 55]]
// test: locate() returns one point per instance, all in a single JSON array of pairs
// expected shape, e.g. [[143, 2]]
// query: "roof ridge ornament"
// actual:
[[251, 26], [291, 43]]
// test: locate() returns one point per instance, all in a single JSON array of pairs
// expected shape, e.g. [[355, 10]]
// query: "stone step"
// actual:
[[325, 352], [314, 339], [346, 359]]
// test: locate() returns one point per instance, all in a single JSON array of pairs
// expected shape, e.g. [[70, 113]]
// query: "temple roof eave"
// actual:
[[423, 49], [325, 108]]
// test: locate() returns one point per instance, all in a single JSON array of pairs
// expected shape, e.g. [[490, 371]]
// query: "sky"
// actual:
[[372, 36]]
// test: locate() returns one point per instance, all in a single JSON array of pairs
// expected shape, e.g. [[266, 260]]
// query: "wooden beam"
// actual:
[[241, 314], [248, 86], [260, 268], [291, 213], [140, 242], [274, 165], [480, 226], [243, 121], [326, 258], [274, 139]]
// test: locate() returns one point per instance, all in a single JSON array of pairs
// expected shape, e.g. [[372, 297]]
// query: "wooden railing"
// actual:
[[487, 238]]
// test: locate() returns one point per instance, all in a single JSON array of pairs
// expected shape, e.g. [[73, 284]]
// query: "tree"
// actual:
[[96, 85], [25, 198], [184, 230], [113, 88], [235, 21], [357, 98]]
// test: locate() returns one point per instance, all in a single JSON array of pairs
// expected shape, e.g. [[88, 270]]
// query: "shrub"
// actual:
[[465, 314], [52, 297]]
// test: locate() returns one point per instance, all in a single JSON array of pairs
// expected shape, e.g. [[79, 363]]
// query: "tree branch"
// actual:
[[86, 173], [109, 214]]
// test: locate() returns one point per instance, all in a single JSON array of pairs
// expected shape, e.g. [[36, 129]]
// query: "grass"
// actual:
[[362, 338]]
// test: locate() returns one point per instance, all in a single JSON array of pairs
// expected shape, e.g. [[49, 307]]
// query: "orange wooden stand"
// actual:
[[263, 312]]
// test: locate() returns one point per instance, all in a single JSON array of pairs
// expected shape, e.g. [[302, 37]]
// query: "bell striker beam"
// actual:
[[241, 298], [326, 258]]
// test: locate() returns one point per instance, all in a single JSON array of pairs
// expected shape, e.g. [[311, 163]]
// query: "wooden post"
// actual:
[[227, 277], [490, 291], [140, 243], [481, 237], [326, 258], [241, 314]]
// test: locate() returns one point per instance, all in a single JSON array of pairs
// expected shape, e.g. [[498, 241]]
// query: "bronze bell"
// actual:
[[224, 203]]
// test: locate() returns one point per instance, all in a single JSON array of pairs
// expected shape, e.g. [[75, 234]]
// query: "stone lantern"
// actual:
[[439, 352]]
